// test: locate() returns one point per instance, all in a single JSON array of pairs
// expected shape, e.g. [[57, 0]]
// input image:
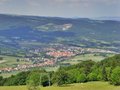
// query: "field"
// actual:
[[10, 61], [85, 57], [86, 86], [5, 75]]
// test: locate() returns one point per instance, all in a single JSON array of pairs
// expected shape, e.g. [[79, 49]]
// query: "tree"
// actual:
[[104, 74], [45, 79], [92, 76], [115, 76], [17, 60], [87, 65], [109, 73], [61, 77], [33, 81], [1, 80], [74, 74], [19, 79], [1, 58], [81, 78]]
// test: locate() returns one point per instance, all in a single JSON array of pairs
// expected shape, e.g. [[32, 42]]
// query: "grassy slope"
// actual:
[[86, 86], [85, 57]]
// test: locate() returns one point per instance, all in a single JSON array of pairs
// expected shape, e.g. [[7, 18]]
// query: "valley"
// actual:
[[22, 32], [53, 57], [28, 42], [59, 45]]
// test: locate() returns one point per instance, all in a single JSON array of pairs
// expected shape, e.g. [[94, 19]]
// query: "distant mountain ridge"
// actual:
[[16, 30], [108, 18]]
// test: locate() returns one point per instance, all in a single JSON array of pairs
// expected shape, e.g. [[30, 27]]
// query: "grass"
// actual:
[[55, 68], [85, 86], [10, 61], [79, 58]]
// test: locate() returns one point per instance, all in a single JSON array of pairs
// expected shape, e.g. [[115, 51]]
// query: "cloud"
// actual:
[[75, 3], [36, 2], [1, 1], [72, 1], [62, 7], [4, 1], [87, 1]]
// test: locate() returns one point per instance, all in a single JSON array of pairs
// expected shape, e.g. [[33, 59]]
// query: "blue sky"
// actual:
[[62, 8]]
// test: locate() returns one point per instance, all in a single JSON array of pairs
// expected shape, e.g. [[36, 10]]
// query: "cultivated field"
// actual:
[[10, 61], [85, 57], [86, 86]]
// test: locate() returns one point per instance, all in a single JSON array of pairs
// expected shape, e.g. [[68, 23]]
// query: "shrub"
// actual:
[[115, 77]]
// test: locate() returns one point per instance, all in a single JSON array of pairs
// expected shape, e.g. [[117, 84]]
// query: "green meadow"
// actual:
[[85, 57], [10, 61], [82, 86]]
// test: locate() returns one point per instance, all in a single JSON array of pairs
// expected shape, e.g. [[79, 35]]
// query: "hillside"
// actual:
[[86, 86], [17, 32]]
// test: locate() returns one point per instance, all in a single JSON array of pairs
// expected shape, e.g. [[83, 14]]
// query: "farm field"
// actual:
[[85, 86], [85, 57], [5, 75], [10, 61]]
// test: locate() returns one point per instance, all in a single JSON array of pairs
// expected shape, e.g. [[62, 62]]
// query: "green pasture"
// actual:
[[85, 86]]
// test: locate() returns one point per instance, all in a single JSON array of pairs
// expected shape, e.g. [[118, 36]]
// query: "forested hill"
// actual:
[[15, 29]]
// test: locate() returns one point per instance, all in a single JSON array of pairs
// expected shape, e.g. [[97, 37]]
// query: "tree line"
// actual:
[[105, 70]]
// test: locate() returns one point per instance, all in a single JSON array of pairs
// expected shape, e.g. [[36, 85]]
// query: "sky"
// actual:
[[62, 8]]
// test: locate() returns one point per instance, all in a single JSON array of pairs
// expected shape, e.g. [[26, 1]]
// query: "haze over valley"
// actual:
[[59, 44]]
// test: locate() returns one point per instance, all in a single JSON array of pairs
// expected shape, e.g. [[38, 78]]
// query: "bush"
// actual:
[[115, 77]]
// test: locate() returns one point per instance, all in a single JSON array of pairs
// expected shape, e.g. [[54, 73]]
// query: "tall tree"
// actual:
[[104, 74], [33, 81]]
